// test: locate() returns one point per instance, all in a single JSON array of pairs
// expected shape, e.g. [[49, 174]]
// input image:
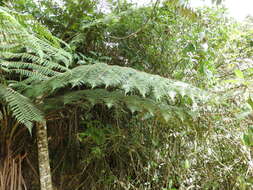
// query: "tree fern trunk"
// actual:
[[43, 158]]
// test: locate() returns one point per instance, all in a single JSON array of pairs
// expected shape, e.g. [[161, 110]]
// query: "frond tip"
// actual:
[[22, 108]]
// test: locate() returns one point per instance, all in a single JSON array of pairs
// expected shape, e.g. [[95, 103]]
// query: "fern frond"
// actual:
[[12, 32], [127, 79], [19, 42], [34, 59], [44, 71], [22, 108], [116, 99]]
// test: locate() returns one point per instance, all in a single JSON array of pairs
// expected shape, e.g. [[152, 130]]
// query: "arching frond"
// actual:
[[22, 108], [116, 99], [32, 52], [127, 79]]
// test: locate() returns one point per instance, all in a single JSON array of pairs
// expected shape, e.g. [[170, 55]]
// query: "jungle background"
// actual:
[[135, 98]]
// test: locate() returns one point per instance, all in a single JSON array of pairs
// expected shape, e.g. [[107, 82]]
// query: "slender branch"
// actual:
[[141, 28]]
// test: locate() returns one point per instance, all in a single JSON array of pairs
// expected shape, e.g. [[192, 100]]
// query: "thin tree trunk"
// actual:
[[43, 157]]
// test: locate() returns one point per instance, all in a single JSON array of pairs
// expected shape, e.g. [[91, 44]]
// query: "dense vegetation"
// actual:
[[124, 97]]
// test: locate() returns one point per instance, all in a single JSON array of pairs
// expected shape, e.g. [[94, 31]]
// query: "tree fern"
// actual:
[[26, 57], [40, 64]]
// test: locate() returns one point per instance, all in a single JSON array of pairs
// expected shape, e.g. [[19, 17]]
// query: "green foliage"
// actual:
[[28, 56], [22, 108], [248, 137], [36, 61], [25, 58], [113, 126], [124, 78], [146, 107], [15, 37]]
